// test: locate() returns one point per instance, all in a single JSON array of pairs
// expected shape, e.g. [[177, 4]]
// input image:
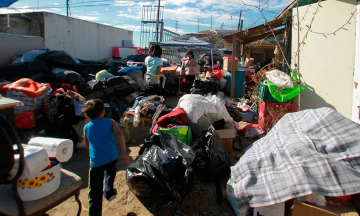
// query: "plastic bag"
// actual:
[[164, 166], [314, 199], [31, 55], [280, 79], [212, 158], [25, 121], [182, 133], [251, 131], [102, 75], [67, 76], [41, 77], [57, 58], [37, 66]]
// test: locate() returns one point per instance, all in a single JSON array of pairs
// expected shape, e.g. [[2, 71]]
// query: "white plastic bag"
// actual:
[[316, 199], [280, 79]]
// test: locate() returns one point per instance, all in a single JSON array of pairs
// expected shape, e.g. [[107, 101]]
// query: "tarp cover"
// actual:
[[312, 151], [184, 44]]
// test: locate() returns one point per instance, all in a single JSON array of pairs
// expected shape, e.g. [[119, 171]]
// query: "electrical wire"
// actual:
[[95, 5]]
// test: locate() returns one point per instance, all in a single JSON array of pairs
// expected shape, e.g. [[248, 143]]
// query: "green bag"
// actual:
[[182, 133], [286, 94]]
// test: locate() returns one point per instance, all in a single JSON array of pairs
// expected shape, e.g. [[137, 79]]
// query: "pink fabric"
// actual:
[[155, 128], [188, 66]]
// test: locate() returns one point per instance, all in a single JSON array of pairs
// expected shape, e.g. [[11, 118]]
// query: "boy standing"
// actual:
[[99, 139]]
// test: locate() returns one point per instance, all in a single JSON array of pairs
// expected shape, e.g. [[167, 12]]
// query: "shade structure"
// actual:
[[6, 3]]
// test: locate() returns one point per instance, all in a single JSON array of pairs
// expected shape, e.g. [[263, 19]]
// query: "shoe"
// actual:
[[113, 196]]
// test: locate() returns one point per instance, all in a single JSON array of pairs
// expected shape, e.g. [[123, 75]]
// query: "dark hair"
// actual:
[[155, 51], [190, 52], [93, 108]]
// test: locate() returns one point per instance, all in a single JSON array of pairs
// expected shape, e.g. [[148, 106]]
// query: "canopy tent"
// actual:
[[6, 3], [191, 43]]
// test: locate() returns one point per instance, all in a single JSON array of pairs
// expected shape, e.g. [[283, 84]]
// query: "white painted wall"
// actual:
[[356, 88], [327, 63], [82, 39], [11, 44]]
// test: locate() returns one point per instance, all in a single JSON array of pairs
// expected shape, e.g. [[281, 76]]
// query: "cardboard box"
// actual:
[[227, 64], [298, 208], [227, 136], [271, 210]]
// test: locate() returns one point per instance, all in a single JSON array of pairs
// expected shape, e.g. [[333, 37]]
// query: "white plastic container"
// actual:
[[41, 185]]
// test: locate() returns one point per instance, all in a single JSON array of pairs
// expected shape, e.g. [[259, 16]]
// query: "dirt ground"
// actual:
[[200, 201]]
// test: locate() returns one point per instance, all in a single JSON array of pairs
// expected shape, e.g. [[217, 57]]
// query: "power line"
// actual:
[[95, 5]]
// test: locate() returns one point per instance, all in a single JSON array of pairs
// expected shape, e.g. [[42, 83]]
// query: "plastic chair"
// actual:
[[155, 79]]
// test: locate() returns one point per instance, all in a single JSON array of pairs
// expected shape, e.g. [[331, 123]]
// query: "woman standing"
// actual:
[[188, 65], [153, 62]]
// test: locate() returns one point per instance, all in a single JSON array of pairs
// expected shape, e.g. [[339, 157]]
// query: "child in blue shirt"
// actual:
[[99, 139]]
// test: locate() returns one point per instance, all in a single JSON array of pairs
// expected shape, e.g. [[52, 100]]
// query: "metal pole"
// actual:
[[157, 23], [67, 7]]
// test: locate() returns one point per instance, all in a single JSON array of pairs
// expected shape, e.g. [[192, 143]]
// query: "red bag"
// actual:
[[217, 74], [25, 121]]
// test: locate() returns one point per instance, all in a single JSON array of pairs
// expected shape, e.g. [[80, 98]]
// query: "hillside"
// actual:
[[215, 38]]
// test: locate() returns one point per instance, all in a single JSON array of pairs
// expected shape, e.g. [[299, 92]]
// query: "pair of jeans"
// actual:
[[96, 178]]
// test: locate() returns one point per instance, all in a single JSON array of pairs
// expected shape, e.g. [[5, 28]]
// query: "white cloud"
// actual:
[[56, 9], [121, 14], [56, 3], [87, 18]]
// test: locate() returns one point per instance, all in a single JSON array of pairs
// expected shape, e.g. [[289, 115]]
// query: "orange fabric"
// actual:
[[28, 87]]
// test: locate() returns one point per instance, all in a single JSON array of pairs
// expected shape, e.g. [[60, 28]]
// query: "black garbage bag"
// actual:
[[89, 67], [17, 70], [67, 76], [37, 66], [137, 58], [41, 77], [164, 166], [116, 64], [57, 58], [212, 159]]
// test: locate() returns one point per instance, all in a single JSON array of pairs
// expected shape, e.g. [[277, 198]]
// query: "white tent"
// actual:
[[191, 43]]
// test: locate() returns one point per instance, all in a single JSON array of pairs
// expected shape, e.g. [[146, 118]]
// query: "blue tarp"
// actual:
[[6, 3]]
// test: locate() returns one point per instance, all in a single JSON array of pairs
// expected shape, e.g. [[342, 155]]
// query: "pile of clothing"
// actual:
[[183, 142], [53, 87], [211, 83]]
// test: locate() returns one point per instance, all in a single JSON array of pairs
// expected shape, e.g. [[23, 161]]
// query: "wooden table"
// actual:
[[7, 106]]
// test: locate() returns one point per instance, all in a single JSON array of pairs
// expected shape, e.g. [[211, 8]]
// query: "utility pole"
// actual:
[[67, 7], [157, 23], [239, 28], [176, 24], [211, 22]]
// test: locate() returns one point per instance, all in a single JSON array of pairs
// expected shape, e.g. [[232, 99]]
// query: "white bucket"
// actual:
[[41, 185]]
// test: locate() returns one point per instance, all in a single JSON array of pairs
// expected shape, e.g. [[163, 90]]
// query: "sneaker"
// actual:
[[113, 196]]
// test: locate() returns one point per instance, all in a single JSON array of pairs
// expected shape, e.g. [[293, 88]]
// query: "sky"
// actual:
[[127, 14]]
